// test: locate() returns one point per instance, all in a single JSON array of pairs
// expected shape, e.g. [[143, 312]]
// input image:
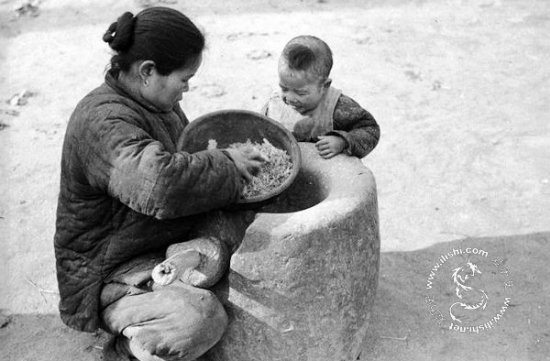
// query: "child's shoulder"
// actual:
[[275, 96], [273, 102], [347, 107], [347, 101]]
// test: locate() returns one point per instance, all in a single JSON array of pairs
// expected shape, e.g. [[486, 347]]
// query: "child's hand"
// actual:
[[330, 145]]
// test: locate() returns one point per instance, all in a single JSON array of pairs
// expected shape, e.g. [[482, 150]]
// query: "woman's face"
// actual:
[[165, 91]]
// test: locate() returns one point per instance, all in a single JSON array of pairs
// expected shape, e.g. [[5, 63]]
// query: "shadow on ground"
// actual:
[[401, 325], [402, 328]]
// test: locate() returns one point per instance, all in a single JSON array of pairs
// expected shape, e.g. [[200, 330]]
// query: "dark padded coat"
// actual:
[[126, 190], [351, 122]]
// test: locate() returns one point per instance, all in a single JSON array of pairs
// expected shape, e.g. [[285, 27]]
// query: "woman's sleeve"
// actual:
[[126, 162], [356, 125]]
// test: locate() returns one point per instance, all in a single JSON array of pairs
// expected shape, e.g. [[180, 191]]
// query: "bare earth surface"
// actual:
[[460, 88]]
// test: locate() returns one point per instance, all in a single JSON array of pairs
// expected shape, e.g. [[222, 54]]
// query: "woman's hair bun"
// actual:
[[120, 34]]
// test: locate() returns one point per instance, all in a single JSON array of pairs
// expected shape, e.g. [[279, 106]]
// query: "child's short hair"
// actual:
[[308, 53]]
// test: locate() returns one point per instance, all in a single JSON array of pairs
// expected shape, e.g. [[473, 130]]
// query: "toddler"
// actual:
[[312, 109]]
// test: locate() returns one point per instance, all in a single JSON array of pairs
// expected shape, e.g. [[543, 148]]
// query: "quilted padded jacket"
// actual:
[[126, 190]]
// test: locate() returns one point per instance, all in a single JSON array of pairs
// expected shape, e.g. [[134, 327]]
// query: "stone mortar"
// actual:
[[301, 285]]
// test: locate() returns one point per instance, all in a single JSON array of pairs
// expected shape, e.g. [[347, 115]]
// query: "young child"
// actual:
[[312, 109]]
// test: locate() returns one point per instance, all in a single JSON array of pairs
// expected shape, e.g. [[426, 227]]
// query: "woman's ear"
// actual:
[[145, 70], [327, 83]]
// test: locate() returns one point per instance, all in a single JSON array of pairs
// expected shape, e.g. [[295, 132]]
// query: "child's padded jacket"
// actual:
[[347, 119]]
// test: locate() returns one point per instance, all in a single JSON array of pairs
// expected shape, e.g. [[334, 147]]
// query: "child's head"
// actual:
[[304, 69]]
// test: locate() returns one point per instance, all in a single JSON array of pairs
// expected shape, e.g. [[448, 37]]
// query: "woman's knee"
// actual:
[[191, 321], [200, 308]]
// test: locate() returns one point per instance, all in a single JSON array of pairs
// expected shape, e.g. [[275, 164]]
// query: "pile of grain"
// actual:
[[273, 172]]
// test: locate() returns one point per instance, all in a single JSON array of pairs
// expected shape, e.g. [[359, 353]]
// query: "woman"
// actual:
[[127, 192]]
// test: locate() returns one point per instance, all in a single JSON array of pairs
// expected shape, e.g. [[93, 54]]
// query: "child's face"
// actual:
[[301, 90]]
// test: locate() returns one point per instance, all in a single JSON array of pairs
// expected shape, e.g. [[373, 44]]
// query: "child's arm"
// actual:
[[356, 125]]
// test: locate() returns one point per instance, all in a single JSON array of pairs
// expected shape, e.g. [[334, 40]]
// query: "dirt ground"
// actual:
[[461, 91]]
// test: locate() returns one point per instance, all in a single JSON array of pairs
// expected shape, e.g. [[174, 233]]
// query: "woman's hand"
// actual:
[[330, 145], [247, 161]]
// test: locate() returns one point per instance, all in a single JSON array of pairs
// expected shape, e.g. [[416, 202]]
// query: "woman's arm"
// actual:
[[124, 161]]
